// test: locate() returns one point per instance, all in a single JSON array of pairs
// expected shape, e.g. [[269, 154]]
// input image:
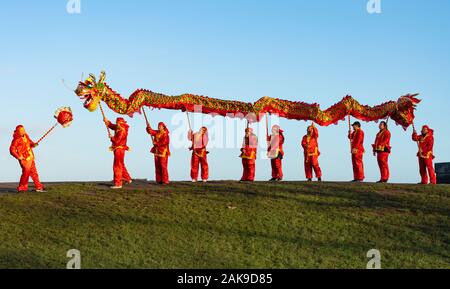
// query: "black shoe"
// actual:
[[272, 180], [278, 180], [319, 179], [356, 181], [309, 180]]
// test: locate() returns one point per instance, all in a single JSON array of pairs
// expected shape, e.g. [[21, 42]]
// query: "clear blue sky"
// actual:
[[313, 51]]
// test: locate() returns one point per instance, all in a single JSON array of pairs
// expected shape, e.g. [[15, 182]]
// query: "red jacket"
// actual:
[[249, 147], [357, 141], [310, 143], [275, 148], [382, 142], [199, 143], [161, 142], [22, 147], [119, 140], [426, 143]]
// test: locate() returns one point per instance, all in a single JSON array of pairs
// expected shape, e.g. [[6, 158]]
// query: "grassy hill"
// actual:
[[227, 225]]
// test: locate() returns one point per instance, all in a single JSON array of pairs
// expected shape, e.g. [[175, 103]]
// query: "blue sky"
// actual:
[[313, 51]]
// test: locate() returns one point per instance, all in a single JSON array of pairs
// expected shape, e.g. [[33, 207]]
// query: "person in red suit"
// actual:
[[311, 152], [199, 154], [425, 143], [248, 155], [357, 147], [22, 149], [161, 152], [382, 149], [119, 147], [276, 153]]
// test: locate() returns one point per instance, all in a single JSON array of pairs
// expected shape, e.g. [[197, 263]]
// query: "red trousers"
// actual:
[[426, 168], [249, 170], [29, 170], [277, 168], [358, 167], [197, 161], [161, 170], [383, 163], [120, 171], [312, 163]]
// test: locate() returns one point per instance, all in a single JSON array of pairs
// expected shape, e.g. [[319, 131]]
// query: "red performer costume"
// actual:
[[425, 142], [276, 153], [248, 155], [199, 154], [311, 152], [357, 145], [22, 149], [382, 149], [119, 147], [161, 152]]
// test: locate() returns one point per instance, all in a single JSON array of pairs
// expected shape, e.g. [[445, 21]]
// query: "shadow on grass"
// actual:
[[24, 259], [330, 244], [369, 196]]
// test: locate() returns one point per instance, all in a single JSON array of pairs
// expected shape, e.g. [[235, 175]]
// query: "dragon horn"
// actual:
[[102, 77], [91, 78]]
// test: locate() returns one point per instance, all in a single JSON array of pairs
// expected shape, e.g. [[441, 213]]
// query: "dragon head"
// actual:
[[91, 91], [406, 106]]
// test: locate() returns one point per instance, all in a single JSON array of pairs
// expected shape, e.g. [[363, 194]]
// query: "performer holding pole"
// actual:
[[119, 147], [425, 142], [275, 153], [199, 154], [356, 138], [248, 155], [382, 149], [311, 153], [160, 151], [22, 149]]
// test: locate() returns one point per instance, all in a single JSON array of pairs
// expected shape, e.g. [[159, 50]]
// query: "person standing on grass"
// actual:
[[199, 154], [248, 155], [161, 152], [22, 149], [311, 152], [425, 155], [275, 153], [357, 148], [119, 147], [382, 149]]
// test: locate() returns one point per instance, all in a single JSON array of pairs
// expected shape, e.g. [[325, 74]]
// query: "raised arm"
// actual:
[[151, 131], [110, 125]]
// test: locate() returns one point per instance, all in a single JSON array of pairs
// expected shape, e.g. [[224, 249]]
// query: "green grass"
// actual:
[[227, 225]]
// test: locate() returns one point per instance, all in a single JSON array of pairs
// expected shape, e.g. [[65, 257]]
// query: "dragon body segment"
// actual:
[[93, 92]]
